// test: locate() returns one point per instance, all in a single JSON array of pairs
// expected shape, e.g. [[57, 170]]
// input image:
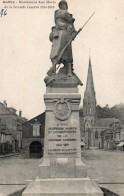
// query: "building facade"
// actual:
[[33, 137], [11, 133], [5, 140]]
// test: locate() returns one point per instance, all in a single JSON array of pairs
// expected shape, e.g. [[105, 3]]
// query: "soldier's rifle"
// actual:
[[64, 49]]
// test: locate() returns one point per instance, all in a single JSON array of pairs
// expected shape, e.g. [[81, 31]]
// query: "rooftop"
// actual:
[[104, 122]]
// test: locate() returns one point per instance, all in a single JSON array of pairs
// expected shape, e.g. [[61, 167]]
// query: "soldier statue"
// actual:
[[61, 34]]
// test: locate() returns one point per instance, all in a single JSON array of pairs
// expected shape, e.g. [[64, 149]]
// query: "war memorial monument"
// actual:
[[61, 171]]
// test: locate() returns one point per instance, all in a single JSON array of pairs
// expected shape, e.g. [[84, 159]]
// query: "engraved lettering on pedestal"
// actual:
[[62, 141]]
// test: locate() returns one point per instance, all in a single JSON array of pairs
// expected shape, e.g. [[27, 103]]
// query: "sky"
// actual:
[[25, 53]]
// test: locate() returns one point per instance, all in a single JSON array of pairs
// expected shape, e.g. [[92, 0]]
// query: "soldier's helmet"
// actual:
[[63, 2]]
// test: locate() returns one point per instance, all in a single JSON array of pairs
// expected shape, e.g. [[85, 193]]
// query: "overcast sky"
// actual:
[[25, 50]]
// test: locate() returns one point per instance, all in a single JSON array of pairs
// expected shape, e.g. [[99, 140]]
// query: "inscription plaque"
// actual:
[[62, 141]]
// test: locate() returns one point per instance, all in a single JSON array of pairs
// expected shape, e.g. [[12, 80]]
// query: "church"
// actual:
[[102, 133]]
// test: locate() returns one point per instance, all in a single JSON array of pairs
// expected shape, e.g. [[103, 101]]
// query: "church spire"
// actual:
[[90, 83], [89, 101]]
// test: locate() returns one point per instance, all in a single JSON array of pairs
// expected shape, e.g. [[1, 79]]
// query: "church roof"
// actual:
[[40, 118], [104, 122]]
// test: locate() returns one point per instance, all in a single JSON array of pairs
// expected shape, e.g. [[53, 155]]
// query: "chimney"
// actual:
[[20, 113], [5, 103]]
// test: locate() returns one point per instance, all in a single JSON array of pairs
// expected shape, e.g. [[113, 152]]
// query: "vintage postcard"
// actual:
[[61, 97]]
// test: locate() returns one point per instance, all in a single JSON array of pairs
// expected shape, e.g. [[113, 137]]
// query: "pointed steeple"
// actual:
[[90, 83], [89, 101]]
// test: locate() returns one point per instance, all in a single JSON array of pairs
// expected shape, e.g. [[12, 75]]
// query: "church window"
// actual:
[[96, 135], [90, 110], [102, 134]]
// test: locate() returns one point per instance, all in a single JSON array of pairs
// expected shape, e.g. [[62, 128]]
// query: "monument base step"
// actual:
[[62, 171], [63, 187]]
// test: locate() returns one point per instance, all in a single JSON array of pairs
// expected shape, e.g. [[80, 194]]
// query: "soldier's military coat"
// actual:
[[61, 34]]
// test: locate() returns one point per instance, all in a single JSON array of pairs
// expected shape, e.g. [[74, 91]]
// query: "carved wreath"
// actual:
[[62, 110]]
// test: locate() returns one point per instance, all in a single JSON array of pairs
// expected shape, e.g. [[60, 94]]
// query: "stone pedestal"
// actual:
[[62, 172]]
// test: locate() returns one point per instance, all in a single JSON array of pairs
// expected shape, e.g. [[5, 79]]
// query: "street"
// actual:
[[107, 166]]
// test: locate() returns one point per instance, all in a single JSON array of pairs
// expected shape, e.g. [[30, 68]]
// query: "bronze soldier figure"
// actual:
[[61, 34]]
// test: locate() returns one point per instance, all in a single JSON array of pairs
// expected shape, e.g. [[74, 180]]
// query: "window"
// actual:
[[14, 122], [2, 136], [36, 128], [96, 135], [86, 110], [117, 136]]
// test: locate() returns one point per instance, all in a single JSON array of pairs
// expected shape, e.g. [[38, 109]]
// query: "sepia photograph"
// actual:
[[61, 98]]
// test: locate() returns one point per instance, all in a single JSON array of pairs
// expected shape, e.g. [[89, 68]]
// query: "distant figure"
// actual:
[[61, 34]]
